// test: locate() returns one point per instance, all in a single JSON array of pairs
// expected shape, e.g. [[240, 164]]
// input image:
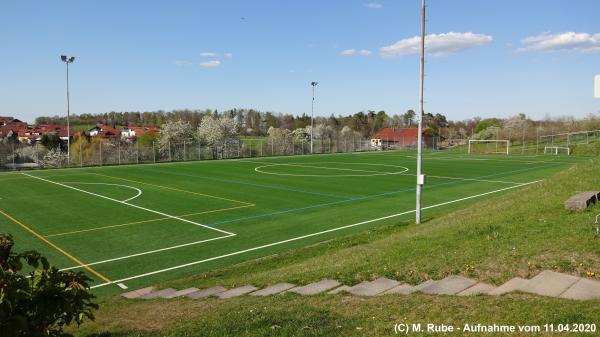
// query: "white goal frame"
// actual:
[[555, 150], [497, 141]]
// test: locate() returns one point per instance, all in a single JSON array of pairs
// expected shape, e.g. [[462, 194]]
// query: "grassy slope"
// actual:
[[515, 234]]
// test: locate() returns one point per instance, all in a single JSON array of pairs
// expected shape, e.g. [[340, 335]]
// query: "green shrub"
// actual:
[[42, 300]]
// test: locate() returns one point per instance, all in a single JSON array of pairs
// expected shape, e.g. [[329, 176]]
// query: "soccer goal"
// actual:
[[489, 146], [556, 150]]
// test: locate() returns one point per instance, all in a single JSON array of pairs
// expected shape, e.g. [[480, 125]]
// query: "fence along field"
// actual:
[[139, 224]]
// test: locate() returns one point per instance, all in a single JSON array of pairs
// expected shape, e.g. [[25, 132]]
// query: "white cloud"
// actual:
[[182, 63], [228, 55], [436, 44], [210, 64], [374, 5], [568, 41], [353, 52], [208, 54], [348, 52]]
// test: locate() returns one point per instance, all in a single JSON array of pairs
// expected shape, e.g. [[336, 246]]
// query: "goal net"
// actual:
[[489, 146], [556, 150]]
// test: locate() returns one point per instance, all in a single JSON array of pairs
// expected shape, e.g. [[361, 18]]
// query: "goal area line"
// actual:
[[298, 237]]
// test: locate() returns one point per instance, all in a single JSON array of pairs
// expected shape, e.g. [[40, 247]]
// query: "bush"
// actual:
[[43, 301]]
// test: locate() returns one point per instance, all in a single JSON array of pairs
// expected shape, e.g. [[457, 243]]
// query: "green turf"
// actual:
[[270, 204]]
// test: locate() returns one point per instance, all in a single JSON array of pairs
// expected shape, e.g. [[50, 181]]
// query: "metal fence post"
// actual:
[[13, 156], [137, 152], [170, 155], [101, 161], [153, 153], [184, 154], [80, 155], [119, 152]]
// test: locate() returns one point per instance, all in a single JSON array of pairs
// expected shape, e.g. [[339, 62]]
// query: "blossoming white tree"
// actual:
[[173, 133]]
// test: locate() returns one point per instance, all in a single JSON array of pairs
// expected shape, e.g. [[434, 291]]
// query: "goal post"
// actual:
[[556, 150], [495, 146]]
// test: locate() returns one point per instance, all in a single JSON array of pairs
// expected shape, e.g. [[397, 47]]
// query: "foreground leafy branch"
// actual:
[[36, 299]]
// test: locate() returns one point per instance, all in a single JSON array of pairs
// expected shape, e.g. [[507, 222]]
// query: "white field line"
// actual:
[[470, 179], [306, 164], [139, 192], [382, 173], [132, 205], [306, 236], [326, 168], [372, 173], [150, 252]]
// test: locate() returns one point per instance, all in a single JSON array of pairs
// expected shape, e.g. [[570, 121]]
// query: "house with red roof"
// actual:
[[131, 133], [399, 138], [104, 131]]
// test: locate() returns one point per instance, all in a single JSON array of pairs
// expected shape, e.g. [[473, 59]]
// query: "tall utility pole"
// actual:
[[420, 176], [312, 115], [68, 60]]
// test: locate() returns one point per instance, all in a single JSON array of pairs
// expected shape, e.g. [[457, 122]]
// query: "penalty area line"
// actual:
[[131, 205], [308, 235]]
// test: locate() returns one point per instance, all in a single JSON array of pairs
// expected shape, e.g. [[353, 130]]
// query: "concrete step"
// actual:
[[273, 289], [180, 293], [159, 293], [583, 289], [425, 284], [373, 288], [206, 292], [450, 285], [511, 285], [235, 292], [138, 293], [403, 289], [339, 289], [549, 283], [315, 288], [478, 289]]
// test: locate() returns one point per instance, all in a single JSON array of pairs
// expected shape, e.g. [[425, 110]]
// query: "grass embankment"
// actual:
[[517, 234]]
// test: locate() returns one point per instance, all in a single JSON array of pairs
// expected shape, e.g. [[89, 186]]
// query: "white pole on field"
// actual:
[[420, 177]]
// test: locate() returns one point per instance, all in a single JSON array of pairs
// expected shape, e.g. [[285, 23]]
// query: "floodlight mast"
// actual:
[[68, 60], [312, 113], [420, 177]]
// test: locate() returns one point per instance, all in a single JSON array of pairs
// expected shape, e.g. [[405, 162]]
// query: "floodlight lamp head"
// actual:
[[314, 84], [67, 59]]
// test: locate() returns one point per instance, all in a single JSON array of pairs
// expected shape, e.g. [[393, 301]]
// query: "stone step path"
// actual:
[[546, 283]]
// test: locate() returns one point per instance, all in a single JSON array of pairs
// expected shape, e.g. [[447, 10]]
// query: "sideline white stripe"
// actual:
[[306, 236], [469, 179], [132, 205], [148, 252]]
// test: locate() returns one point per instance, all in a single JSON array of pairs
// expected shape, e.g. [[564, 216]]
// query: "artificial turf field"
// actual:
[[136, 225]]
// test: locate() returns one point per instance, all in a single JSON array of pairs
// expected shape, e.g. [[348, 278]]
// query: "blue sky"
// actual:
[[486, 58]]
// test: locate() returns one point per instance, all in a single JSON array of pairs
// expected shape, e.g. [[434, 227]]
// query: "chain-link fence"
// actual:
[[99, 152]]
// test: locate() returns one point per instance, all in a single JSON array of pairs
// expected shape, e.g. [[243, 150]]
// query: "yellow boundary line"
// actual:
[[57, 248], [174, 189], [145, 221]]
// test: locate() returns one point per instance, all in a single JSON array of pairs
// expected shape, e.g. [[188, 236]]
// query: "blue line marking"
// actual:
[[246, 183], [367, 197]]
